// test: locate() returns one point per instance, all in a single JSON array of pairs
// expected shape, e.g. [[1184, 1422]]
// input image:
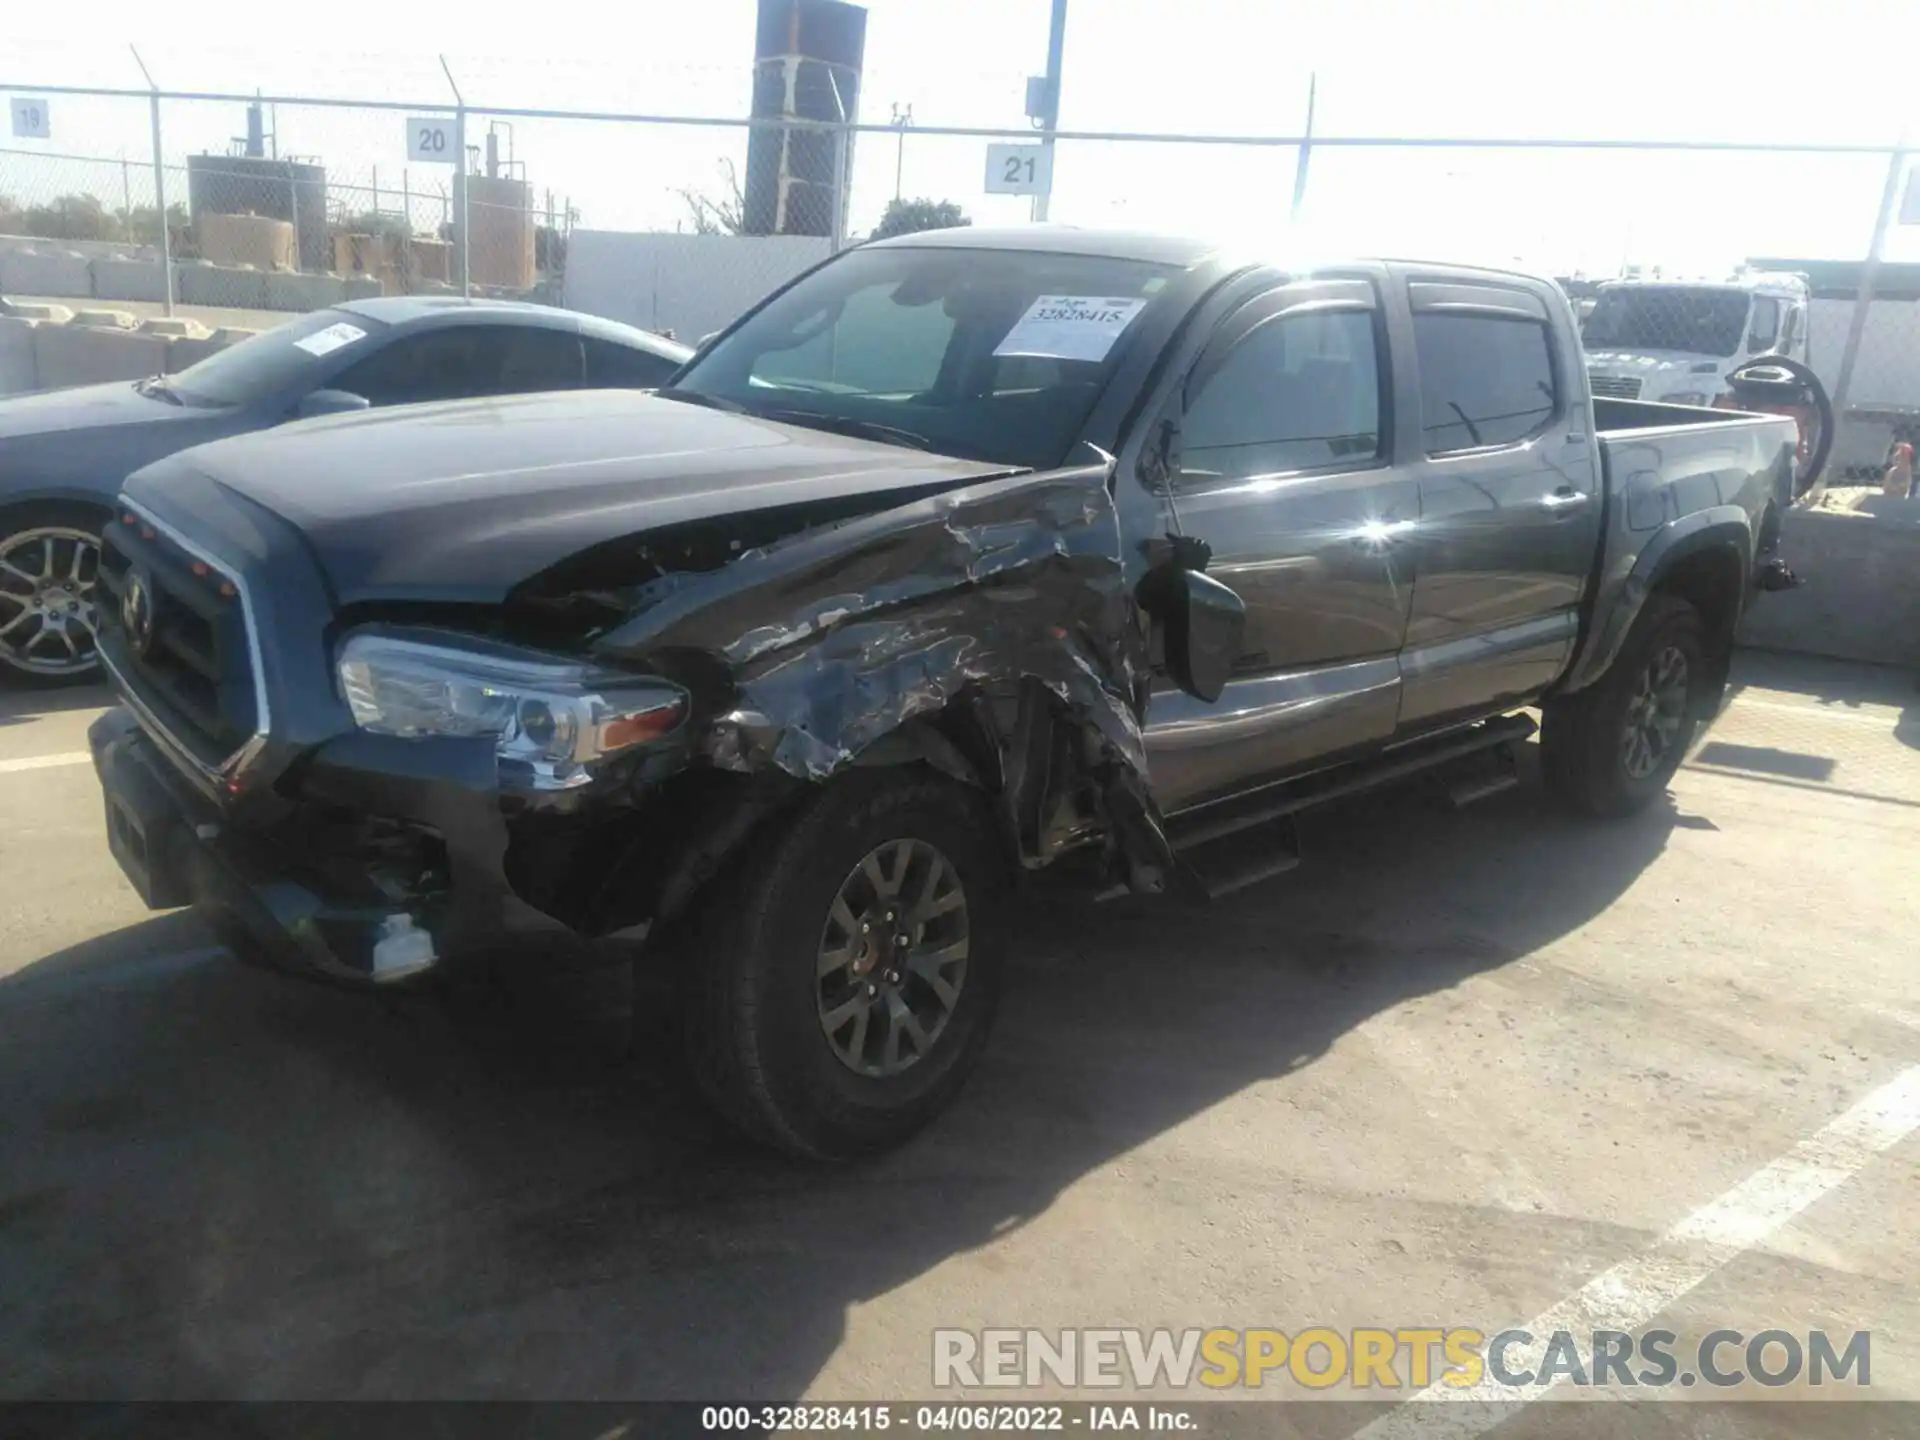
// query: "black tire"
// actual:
[[1585, 746], [753, 1000], [17, 670]]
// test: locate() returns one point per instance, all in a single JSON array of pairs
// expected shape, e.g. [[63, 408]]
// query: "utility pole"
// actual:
[[1050, 102], [1305, 154], [902, 119]]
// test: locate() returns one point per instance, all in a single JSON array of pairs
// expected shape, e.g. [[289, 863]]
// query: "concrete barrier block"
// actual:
[[186, 350], [1860, 601], [46, 272], [183, 327], [17, 369], [294, 291], [362, 287], [106, 319], [223, 285], [118, 278], [36, 310], [82, 355]]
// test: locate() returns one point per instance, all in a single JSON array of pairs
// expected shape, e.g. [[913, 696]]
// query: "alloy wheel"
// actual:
[[48, 577], [892, 958], [1656, 714]]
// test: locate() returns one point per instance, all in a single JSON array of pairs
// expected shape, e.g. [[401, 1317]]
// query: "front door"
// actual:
[[1282, 464]]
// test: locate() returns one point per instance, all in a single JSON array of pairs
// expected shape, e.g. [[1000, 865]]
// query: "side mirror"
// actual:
[[329, 402], [1204, 630], [1202, 623]]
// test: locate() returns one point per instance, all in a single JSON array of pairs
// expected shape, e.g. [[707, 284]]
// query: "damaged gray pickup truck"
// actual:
[[964, 554]]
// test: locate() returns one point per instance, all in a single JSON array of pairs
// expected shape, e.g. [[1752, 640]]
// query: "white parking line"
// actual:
[[1637, 1289], [44, 762], [1884, 717]]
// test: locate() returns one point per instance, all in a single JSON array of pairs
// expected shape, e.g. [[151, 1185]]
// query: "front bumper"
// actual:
[[434, 898]]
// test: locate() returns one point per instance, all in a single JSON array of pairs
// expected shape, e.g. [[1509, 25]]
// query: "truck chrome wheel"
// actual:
[[1656, 713], [47, 579], [892, 958]]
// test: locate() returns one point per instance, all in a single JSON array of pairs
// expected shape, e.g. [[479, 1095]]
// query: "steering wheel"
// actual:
[[1773, 383]]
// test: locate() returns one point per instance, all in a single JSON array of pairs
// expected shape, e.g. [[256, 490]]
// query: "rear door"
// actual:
[[1509, 501], [1283, 465]]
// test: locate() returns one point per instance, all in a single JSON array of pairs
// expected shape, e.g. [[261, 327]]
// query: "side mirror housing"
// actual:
[[1205, 627], [329, 402]]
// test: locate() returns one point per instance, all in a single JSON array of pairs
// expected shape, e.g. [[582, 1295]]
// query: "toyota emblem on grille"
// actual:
[[136, 612]]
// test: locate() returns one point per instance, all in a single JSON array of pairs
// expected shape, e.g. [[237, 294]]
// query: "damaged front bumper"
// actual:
[[390, 866]]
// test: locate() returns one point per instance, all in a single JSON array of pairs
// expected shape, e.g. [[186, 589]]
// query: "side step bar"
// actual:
[[1233, 843]]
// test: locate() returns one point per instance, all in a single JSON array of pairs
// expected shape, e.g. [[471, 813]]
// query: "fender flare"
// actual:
[[1717, 527], [55, 495]]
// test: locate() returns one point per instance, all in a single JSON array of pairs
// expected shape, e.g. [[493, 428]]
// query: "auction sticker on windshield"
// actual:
[[1069, 327], [325, 342]]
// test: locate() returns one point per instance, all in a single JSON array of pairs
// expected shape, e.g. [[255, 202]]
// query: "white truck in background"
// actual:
[[1677, 340]]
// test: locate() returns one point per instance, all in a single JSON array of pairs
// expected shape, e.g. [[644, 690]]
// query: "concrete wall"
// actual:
[[689, 284], [102, 346], [1862, 597]]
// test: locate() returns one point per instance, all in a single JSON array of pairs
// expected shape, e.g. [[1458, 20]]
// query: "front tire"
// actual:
[[837, 987], [1613, 748], [49, 573]]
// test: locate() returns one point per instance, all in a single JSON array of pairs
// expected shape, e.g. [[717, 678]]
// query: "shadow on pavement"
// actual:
[[21, 703], [221, 1183]]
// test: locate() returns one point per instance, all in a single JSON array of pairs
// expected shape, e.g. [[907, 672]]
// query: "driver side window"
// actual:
[[1766, 324], [1301, 392]]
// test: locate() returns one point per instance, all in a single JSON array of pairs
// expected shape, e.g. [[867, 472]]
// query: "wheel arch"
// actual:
[[1705, 559]]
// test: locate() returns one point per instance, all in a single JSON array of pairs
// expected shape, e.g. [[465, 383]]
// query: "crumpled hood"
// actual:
[[462, 501]]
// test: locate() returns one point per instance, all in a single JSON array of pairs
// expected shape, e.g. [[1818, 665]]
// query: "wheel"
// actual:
[[1610, 749], [836, 990], [49, 565]]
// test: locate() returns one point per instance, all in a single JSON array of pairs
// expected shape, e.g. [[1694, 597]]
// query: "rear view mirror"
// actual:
[[330, 402]]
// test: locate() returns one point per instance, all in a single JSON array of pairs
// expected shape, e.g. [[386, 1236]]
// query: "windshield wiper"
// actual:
[[156, 387], [851, 425]]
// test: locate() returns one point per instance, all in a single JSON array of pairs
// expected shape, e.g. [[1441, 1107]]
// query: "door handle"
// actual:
[[1564, 501]]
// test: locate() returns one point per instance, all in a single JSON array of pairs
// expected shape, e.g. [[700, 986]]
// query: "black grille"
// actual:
[[195, 672], [1614, 387]]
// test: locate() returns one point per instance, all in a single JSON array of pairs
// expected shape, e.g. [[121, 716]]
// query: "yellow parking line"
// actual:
[[44, 762]]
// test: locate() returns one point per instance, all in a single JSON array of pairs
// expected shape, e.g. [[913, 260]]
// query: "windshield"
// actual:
[[273, 361], [1698, 321], [987, 354]]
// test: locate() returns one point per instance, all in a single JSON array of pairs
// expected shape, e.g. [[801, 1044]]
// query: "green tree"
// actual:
[[909, 217], [71, 217]]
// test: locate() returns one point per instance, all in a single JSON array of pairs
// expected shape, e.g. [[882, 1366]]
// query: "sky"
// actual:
[[1629, 69]]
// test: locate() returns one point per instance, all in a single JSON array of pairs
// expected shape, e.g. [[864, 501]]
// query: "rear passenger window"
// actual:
[[1301, 392], [1484, 380]]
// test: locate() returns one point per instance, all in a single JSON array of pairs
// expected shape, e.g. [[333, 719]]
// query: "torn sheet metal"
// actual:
[[836, 638]]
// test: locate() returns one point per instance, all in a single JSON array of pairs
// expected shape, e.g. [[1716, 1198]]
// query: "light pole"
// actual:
[[1050, 102], [902, 120]]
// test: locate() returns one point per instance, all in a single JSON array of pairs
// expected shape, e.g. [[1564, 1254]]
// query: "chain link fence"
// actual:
[[279, 206]]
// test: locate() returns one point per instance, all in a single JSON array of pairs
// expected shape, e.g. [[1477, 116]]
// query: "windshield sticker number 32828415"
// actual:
[[1069, 327]]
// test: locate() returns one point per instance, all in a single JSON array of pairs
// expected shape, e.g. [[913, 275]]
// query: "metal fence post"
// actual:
[[159, 182], [463, 254], [1869, 280]]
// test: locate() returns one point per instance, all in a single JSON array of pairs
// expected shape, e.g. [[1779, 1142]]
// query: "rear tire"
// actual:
[[1611, 749], [49, 572], [797, 1024]]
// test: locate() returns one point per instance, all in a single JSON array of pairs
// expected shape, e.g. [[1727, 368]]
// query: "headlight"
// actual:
[[550, 718], [1687, 397]]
